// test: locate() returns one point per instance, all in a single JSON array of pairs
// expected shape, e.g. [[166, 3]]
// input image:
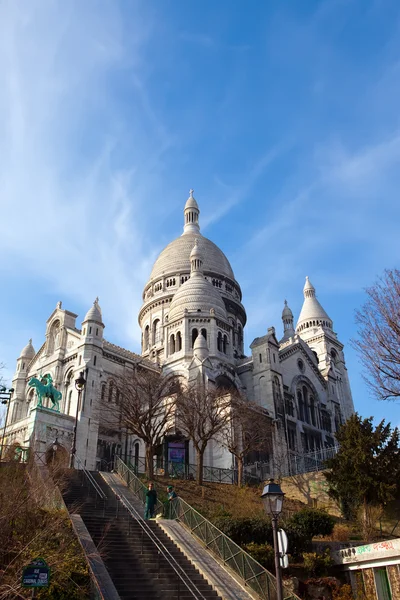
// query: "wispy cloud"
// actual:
[[69, 193]]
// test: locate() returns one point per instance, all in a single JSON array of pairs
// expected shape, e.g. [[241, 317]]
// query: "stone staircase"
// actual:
[[143, 562]]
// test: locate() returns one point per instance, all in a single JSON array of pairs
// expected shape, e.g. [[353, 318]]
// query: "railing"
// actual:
[[163, 551], [294, 464], [244, 567], [92, 482], [134, 483]]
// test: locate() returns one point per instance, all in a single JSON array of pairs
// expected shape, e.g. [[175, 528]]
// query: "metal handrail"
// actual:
[[244, 566], [91, 480], [162, 549], [139, 487]]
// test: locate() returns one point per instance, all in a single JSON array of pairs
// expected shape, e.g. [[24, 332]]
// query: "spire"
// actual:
[[312, 314], [288, 327], [94, 313], [196, 260], [191, 215]]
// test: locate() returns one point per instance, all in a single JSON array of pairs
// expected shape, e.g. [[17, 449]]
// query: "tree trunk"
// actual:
[[199, 466], [239, 460], [149, 461]]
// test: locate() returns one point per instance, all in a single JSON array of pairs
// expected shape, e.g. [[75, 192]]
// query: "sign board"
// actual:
[[283, 546], [36, 574]]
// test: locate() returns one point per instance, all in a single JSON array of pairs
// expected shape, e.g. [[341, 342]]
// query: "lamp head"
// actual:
[[272, 498], [80, 382]]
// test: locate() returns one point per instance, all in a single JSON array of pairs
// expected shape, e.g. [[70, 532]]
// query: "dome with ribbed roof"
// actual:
[[196, 294], [175, 258], [312, 314], [28, 351], [94, 313]]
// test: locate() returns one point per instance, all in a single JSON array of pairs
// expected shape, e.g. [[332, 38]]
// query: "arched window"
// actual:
[[178, 345], [111, 391], [195, 333], [204, 333], [312, 412], [156, 331], [146, 338], [334, 356], [172, 344], [240, 336], [69, 402], [276, 388], [54, 337], [219, 341], [225, 344], [300, 402]]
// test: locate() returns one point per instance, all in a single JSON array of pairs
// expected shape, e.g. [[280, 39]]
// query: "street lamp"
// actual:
[[79, 385], [272, 498], [5, 398]]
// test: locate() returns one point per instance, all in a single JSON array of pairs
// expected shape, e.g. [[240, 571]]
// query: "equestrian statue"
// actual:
[[46, 390]]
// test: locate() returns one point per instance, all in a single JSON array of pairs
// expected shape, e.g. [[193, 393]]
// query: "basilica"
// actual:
[[192, 321]]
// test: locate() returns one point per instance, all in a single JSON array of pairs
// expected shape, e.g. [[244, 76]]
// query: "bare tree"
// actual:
[[201, 414], [142, 401], [378, 342], [249, 429]]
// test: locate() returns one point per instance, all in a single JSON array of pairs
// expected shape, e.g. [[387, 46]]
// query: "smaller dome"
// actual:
[[200, 348], [286, 313], [196, 294], [94, 313], [28, 351], [191, 201]]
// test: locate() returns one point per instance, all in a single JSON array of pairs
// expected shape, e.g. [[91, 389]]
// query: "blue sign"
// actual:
[[36, 574]]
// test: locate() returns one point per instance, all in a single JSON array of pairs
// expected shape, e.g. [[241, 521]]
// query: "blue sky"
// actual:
[[283, 116]]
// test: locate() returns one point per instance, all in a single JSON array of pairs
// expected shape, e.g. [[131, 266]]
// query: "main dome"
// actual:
[[175, 257]]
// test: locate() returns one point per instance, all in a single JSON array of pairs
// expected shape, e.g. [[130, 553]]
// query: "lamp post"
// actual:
[[272, 498], [5, 398], [79, 385]]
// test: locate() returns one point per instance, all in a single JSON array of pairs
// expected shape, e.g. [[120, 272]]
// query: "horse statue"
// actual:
[[46, 390]]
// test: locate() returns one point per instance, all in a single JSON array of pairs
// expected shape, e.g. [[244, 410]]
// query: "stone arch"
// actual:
[[57, 456]]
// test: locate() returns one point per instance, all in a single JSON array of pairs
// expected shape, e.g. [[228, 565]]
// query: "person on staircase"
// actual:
[[151, 501], [171, 494]]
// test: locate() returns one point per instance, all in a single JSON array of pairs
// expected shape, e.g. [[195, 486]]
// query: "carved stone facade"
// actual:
[[192, 321]]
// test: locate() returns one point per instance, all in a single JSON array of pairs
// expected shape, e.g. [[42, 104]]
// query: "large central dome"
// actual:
[[176, 257]]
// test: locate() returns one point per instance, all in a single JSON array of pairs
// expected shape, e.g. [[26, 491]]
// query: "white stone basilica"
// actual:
[[192, 322]]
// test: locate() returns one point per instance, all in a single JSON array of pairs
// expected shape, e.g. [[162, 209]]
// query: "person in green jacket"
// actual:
[[151, 501]]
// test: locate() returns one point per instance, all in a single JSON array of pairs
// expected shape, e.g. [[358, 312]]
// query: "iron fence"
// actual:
[[134, 483], [244, 567]]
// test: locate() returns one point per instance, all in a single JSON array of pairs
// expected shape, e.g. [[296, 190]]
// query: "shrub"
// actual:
[[311, 522], [262, 553], [343, 593], [341, 533], [245, 530], [317, 564]]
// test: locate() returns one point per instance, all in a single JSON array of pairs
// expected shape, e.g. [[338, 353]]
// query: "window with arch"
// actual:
[[178, 343], [195, 333], [172, 346], [204, 333], [334, 356], [219, 341], [156, 331], [111, 391], [146, 338], [225, 344], [308, 405], [278, 401], [54, 337], [240, 336]]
